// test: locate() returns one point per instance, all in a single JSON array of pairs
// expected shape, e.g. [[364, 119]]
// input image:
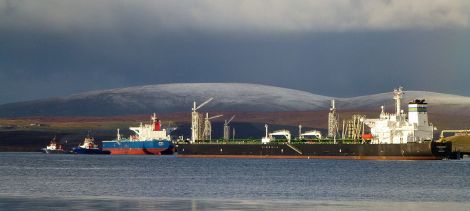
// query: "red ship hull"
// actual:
[[136, 151], [154, 147]]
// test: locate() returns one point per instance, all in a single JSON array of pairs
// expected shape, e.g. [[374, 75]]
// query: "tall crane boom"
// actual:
[[213, 117], [228, 121], [202, 104]]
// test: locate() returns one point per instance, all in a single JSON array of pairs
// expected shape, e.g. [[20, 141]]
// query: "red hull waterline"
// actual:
[[317, 157], [135, 151]]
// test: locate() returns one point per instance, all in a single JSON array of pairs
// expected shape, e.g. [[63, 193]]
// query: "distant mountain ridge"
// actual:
[[178, 97]]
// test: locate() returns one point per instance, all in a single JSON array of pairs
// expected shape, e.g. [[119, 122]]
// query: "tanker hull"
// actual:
[[409, 151]]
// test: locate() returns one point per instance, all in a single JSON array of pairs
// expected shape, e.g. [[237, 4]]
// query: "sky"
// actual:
[[335, 48]]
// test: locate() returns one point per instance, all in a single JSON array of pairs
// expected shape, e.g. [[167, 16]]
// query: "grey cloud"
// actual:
[[53, 48], [238, 15]]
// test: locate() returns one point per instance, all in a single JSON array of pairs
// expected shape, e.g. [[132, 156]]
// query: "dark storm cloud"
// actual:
[[339, 48], [237, 15]]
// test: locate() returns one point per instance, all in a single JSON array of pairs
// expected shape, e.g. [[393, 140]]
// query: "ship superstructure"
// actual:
[[89, 143], [399, 128], [54, 147], [147, 132]]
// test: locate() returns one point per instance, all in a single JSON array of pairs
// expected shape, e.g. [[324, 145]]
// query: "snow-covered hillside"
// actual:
[[171, 98], [436, 101], [227, 97]]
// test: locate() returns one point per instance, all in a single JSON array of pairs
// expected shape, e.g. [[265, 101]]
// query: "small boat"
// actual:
[[54, 148], [89, 147]]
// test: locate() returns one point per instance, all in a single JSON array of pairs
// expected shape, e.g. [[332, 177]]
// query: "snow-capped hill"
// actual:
[[171, 98], [166, 98], [434, 99]]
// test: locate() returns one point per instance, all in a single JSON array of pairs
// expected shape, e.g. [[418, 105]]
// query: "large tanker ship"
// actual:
[[393, 136], [148, 139]]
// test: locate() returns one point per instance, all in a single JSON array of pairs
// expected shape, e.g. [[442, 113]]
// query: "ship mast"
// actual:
[[154, 118], [398, 95]]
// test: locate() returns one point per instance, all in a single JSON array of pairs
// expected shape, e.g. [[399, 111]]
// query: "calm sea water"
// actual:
[[57, 182]]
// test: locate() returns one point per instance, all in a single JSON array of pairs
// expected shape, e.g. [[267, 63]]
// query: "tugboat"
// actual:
[[54, 148], [89, 147]]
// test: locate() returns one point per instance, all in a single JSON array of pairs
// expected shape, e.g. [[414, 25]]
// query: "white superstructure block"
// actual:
[[398, 128], [417, 114]]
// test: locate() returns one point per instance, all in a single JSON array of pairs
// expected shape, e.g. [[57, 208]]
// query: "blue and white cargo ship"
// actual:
[[149, 139]]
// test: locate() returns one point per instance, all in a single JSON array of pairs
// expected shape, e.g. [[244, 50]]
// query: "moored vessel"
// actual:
[[393, 136], [89, 147], [408, 151], [149, 139], [54, 148]]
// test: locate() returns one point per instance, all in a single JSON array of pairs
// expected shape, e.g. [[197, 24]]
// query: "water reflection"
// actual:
[[63, 182], [117, 203]]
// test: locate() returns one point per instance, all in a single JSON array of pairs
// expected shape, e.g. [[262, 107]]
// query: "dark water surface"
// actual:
[[57, 182]]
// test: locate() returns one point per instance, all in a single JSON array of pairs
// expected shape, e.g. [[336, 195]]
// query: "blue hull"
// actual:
[[152, 147], [78, 150]]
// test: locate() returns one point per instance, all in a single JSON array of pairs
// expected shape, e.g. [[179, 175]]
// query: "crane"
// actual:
[[196, 121], [207, 134], [227, 128], [332, 121]]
